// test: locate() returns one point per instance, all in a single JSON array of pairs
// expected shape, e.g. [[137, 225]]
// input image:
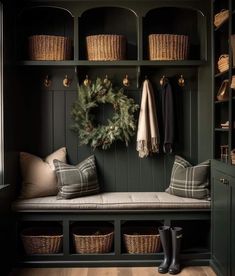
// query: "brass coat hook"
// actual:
[[106, 80], [47, 82], [66, 81], [163, 80], [87, 82], [181, 81], [126, 81]]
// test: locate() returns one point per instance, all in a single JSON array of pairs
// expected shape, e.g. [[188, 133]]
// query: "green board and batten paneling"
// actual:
[[49, 127]]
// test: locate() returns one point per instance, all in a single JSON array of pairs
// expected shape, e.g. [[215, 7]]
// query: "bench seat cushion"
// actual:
[[112, 201]]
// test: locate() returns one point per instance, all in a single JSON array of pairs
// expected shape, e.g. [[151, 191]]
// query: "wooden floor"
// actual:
[[110, 271]]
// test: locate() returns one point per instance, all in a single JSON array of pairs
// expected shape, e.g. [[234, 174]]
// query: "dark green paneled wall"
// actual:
[[47, 121]]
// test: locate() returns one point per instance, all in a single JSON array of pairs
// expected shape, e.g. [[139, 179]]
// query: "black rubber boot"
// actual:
[[165, 236], [176, 234]]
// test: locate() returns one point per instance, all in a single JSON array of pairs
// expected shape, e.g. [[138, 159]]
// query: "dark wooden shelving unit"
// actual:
[[222, 170], [45, 112]]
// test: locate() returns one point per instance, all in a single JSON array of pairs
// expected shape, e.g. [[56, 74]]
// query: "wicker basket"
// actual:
[[168, 47], [90, 240], [220, 17], [47, 47], [223, 63], [146, 241], [106, 47], [42, 240]]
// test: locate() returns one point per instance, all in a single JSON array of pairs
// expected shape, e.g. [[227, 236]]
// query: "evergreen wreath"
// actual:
[[120, 127]]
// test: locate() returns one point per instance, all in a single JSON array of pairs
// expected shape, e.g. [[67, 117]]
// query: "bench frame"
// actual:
[[116, 258]]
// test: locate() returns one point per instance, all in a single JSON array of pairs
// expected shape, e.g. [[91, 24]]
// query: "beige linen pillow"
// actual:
[[38, 175]]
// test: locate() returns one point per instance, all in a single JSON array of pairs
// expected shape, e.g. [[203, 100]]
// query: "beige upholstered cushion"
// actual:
[[112, 201], [38, 175]]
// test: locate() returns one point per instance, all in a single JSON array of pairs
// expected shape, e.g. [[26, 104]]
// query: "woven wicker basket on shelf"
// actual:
[[221, 17], [168, 47], [223, 63], [88, 241], [48, 47], [106, 47], [145, 241], [41, 240]]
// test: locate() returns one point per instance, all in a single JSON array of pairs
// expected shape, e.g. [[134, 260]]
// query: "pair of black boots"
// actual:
[[171, 241]]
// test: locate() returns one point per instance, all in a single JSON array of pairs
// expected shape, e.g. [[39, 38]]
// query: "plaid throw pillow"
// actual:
[[189, 181], [77, 181]]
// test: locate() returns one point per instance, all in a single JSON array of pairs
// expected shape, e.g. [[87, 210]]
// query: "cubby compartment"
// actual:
[[140, 237], [40, 238], [91, 237], [182, 21], [222, 146], [109, 20], [43, 20], [221, 115], [196, 236], [222, 48]]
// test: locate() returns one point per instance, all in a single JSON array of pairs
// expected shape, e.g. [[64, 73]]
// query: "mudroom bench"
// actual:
[[136, 209]]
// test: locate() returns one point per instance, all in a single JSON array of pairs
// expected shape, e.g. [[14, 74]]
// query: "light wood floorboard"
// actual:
[[110, 271]]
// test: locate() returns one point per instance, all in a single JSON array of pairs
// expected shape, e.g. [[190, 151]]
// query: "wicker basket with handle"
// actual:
[[223, 63], [42, 240], [168, 47], [106, 47], [91, 240], [49, 47], [143, 241], [221, 17]]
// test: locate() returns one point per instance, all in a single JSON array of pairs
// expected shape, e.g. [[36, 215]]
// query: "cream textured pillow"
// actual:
[[38, 175]]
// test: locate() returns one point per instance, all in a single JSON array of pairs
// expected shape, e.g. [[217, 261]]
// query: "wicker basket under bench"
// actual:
[[117, 209], [42, 240]]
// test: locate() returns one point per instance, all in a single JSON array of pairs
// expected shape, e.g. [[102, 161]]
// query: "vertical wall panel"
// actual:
[[59, 120], [121, 167], [133, 167], [158, 173], [109, 175], [71, 140], [46, 122]]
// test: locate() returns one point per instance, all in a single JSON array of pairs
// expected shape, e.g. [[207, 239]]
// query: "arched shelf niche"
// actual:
[[43, 20], [109, 20], [177, 20]]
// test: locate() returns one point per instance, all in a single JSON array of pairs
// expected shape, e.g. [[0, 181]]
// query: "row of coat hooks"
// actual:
[[68, 81], [126, 82], [164, 80]]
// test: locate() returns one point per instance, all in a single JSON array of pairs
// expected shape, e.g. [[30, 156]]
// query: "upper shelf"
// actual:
[[106, 20], [113, 63]]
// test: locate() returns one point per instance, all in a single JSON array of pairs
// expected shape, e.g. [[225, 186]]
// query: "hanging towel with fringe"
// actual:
[[148, 133], [168, 118]]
